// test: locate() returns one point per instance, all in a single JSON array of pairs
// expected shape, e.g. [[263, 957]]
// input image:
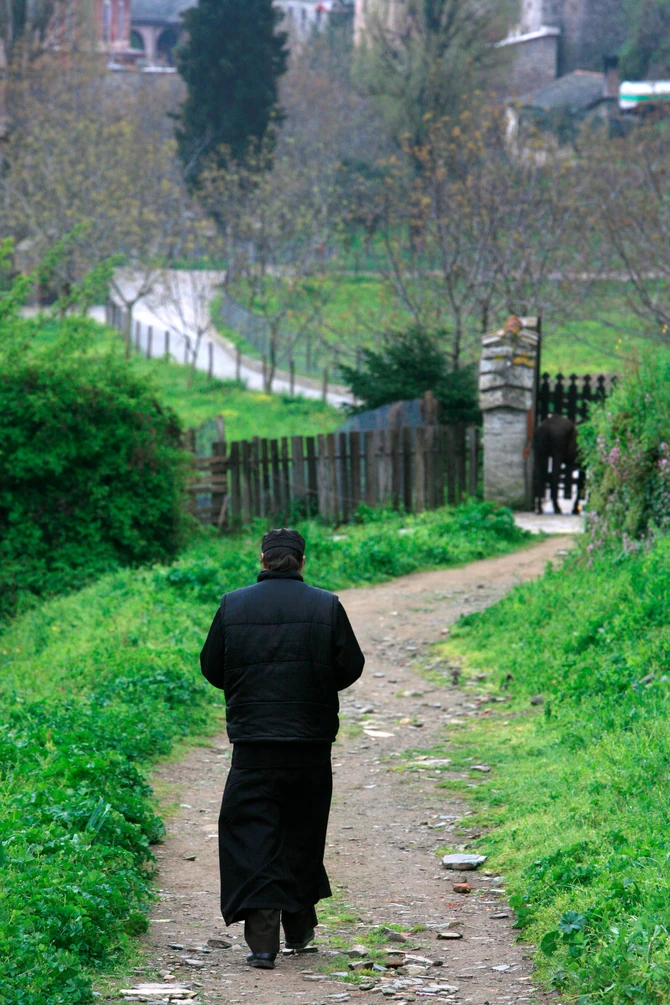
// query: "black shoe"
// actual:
[[297, 946], [263, 961]]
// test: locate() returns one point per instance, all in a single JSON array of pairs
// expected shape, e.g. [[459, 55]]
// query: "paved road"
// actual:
[[180, 303]]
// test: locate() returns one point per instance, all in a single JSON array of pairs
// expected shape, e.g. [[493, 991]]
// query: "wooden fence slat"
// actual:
[[345, 482], [322, 476], [276, 476], [461, 461], [312, 484], [383, 466], [420, 470], [371, 479], [235, 494], [473, 460], [219, 498], [407, 471], [286, 478], [355, 452], [297, 470], [396, 471], [430, 466], [332, 508], [246, 481], [440, 467], [265, 479], [255, 476], [448, 454]]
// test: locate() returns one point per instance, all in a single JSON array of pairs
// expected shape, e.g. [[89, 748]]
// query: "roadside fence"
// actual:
[[331, 475]]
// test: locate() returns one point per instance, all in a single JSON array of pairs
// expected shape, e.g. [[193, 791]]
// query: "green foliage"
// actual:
[[410, 363], [579, 788], [94, 684], [424, 63], [628, 457], [231, 64], [90, 466], [646, 48]]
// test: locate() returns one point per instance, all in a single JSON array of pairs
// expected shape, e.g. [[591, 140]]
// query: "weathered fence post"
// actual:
[[507, 378]]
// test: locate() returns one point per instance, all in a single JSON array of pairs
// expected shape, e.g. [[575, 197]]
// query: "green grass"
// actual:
[[246, 413], [95, 685], [362, 307], [578, 800]]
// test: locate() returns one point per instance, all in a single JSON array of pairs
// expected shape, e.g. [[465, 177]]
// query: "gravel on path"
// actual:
[[385, 832]]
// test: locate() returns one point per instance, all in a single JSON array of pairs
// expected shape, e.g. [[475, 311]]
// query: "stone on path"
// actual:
[[451, 935], [147, 992], [463, 862], [462, 888]]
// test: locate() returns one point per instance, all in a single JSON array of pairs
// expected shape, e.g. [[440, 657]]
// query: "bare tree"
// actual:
[[629, 221], [281, 254], [471, 230], [93, 156]]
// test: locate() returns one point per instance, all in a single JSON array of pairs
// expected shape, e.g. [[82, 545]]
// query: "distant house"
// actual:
[[561, 106]]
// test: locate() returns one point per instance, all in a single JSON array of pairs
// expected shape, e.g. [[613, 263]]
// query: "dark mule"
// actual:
[[556, 437]]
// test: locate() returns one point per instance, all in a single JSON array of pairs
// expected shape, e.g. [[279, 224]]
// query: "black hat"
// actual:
[[284, 538]]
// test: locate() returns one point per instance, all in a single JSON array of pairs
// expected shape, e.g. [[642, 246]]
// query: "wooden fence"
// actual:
[[414, 469]]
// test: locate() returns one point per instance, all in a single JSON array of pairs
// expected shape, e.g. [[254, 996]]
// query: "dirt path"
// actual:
[[385, 825]]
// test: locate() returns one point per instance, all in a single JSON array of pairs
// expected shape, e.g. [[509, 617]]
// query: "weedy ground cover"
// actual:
[[96, 685], [578, 797]]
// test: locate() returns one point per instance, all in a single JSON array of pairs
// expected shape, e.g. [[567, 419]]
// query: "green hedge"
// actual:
[[90, 466]]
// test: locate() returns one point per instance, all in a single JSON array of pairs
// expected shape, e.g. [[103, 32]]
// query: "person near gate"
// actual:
[[280, 650]]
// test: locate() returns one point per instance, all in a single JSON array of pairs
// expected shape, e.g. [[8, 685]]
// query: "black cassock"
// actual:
[[274, 814], [272, 827]]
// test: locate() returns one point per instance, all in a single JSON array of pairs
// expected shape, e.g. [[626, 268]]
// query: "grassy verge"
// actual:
[[578, 797], [196, 399], [96, 684]]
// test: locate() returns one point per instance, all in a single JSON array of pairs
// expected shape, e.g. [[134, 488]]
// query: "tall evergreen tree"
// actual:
[[231, 63]]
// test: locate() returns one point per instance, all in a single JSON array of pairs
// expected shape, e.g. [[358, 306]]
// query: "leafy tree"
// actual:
[[410, 363], [647, 48], [420, 60], [231, 64]]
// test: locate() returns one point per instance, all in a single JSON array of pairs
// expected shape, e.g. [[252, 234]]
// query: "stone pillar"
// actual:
[[507, 384]]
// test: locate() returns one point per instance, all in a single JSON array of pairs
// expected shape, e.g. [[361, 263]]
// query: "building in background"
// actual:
[[550, 39]]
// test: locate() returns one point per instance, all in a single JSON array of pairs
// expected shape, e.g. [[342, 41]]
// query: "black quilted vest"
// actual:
[[279, 651]]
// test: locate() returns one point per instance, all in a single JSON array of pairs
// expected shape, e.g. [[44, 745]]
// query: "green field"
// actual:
[[99, 683], [575, 809], [361, 308], [246, 413]]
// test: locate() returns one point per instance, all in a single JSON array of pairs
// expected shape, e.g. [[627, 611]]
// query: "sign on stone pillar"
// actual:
[[507, 385]]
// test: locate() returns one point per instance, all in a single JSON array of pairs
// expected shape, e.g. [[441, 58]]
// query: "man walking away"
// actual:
[[280, 650]]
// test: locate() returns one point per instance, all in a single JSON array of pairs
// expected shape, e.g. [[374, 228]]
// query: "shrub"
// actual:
[[90, 466], [410, 363], [627, 452]]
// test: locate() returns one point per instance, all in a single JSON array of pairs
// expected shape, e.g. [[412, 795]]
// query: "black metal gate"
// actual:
[[572, 396]]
